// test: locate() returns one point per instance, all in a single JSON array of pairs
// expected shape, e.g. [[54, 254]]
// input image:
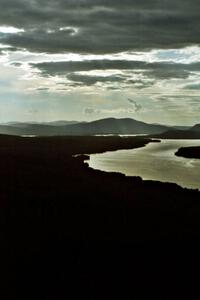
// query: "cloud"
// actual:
[[157, 70], [43, 89], [109, 48], [178, 103], [64, 67], [114, 111], [137, 107], [16, 64], [88, 80], [192, 86], [91, 111], [112, 26], [130, 109], [108, 73]]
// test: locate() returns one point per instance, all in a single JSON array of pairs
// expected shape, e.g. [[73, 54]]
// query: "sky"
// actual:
[[93, 59]]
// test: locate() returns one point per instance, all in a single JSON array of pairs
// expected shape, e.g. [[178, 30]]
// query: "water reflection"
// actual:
[[156, 161]]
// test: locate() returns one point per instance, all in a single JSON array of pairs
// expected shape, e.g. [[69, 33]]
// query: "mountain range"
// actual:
[[99, 127], [191, 133]]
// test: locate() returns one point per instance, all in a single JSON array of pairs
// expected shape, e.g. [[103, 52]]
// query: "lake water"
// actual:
[[155, 161]]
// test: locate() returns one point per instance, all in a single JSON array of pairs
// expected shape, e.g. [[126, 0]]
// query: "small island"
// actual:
[[189, 152]]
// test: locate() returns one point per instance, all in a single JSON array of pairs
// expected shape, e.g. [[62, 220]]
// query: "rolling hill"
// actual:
[[102, 126], [192, 133], [196, 127]]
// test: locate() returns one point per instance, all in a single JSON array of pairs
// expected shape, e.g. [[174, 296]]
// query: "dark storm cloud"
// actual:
[[103, 26], [4, 50], [166, 70], [111, 82], [62, 68], [87, 80], [156, 70]]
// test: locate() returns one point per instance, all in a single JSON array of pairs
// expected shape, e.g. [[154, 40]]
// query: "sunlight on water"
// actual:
[[156, 161]]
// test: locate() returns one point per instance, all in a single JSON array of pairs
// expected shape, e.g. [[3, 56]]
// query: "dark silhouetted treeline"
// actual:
[[70, 232]]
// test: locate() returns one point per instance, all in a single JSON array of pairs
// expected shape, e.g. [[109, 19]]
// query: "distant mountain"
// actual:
[[61, 123], [116, 126], [26, 129], [53, 123], [181, 127], [190, 133], [105, 126], [196, 127], [178, 134]]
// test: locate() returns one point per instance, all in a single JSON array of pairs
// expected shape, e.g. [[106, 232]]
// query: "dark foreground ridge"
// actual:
[[70, 232], [189, 152]]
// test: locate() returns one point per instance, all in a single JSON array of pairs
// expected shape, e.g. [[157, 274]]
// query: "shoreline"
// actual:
[[86, 157]]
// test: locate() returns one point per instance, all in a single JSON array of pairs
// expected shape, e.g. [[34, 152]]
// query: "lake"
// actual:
[[155, 161]]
